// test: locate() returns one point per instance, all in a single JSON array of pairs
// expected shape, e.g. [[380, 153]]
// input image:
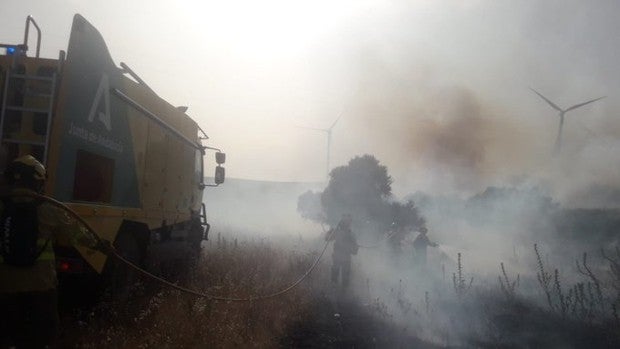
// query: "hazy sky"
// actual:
[[437, 90]]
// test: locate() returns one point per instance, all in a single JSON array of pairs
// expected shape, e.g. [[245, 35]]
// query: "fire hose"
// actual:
[[111, 250]]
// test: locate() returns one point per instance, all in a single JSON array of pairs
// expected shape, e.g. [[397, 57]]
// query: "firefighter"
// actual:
[[345, 245], [420, 245], [28, 295]]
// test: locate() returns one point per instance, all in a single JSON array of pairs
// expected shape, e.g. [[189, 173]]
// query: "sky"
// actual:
[[438, 90]]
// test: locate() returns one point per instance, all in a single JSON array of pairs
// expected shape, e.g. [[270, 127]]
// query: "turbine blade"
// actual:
[[334, 124], [584, 103], [546, 100]]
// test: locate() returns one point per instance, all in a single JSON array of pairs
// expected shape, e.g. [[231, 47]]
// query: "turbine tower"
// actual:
[[328, 131], [558, 140]]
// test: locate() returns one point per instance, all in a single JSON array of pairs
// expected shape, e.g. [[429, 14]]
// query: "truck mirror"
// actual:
[[220, 158], [220, 175]]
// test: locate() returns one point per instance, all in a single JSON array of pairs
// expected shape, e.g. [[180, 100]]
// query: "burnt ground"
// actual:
[[344, 322], [336, 320]]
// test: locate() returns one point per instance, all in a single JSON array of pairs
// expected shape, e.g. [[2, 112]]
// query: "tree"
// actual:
[[359, 188], [362, 188], [503, 204]]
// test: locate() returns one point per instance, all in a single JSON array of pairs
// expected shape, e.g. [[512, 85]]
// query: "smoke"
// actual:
[[443, 100], [258, 209], [448, 139], [463, 143]]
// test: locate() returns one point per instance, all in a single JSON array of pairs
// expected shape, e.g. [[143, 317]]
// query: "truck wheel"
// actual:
[[123, 278]]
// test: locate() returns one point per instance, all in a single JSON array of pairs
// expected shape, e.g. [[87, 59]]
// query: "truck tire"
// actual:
[[121, 277]]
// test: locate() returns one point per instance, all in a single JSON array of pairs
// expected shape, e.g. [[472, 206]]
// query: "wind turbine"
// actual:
[[558, 140], [328, 131]]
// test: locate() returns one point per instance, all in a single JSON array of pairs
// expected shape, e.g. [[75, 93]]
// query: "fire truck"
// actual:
[[127, 161]]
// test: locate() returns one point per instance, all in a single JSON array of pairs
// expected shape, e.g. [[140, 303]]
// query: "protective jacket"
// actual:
[[53, 223], [421, 242], [345, 243]]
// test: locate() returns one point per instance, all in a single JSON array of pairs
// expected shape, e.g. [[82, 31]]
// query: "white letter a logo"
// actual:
[[102, 91]]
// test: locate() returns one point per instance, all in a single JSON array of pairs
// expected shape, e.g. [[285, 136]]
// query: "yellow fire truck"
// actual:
[[124, 159]]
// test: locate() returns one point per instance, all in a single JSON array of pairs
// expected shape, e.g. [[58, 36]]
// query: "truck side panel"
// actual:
[[92, 127]]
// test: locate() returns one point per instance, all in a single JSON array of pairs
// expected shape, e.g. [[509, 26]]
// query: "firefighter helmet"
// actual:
[[25, 169]]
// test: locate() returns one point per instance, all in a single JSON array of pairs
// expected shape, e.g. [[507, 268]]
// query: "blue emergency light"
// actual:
[[10, 50]]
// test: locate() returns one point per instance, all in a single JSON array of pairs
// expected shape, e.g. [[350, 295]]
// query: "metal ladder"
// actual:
[[48, 95]]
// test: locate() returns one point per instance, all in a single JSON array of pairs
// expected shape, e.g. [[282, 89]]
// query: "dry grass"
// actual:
[[171, 319], [481, 316]]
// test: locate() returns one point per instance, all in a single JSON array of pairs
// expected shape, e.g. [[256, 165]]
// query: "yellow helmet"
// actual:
[[26, 168]]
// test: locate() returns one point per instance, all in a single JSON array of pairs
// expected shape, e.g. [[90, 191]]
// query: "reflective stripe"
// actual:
[[47, 256], [48, 253]]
